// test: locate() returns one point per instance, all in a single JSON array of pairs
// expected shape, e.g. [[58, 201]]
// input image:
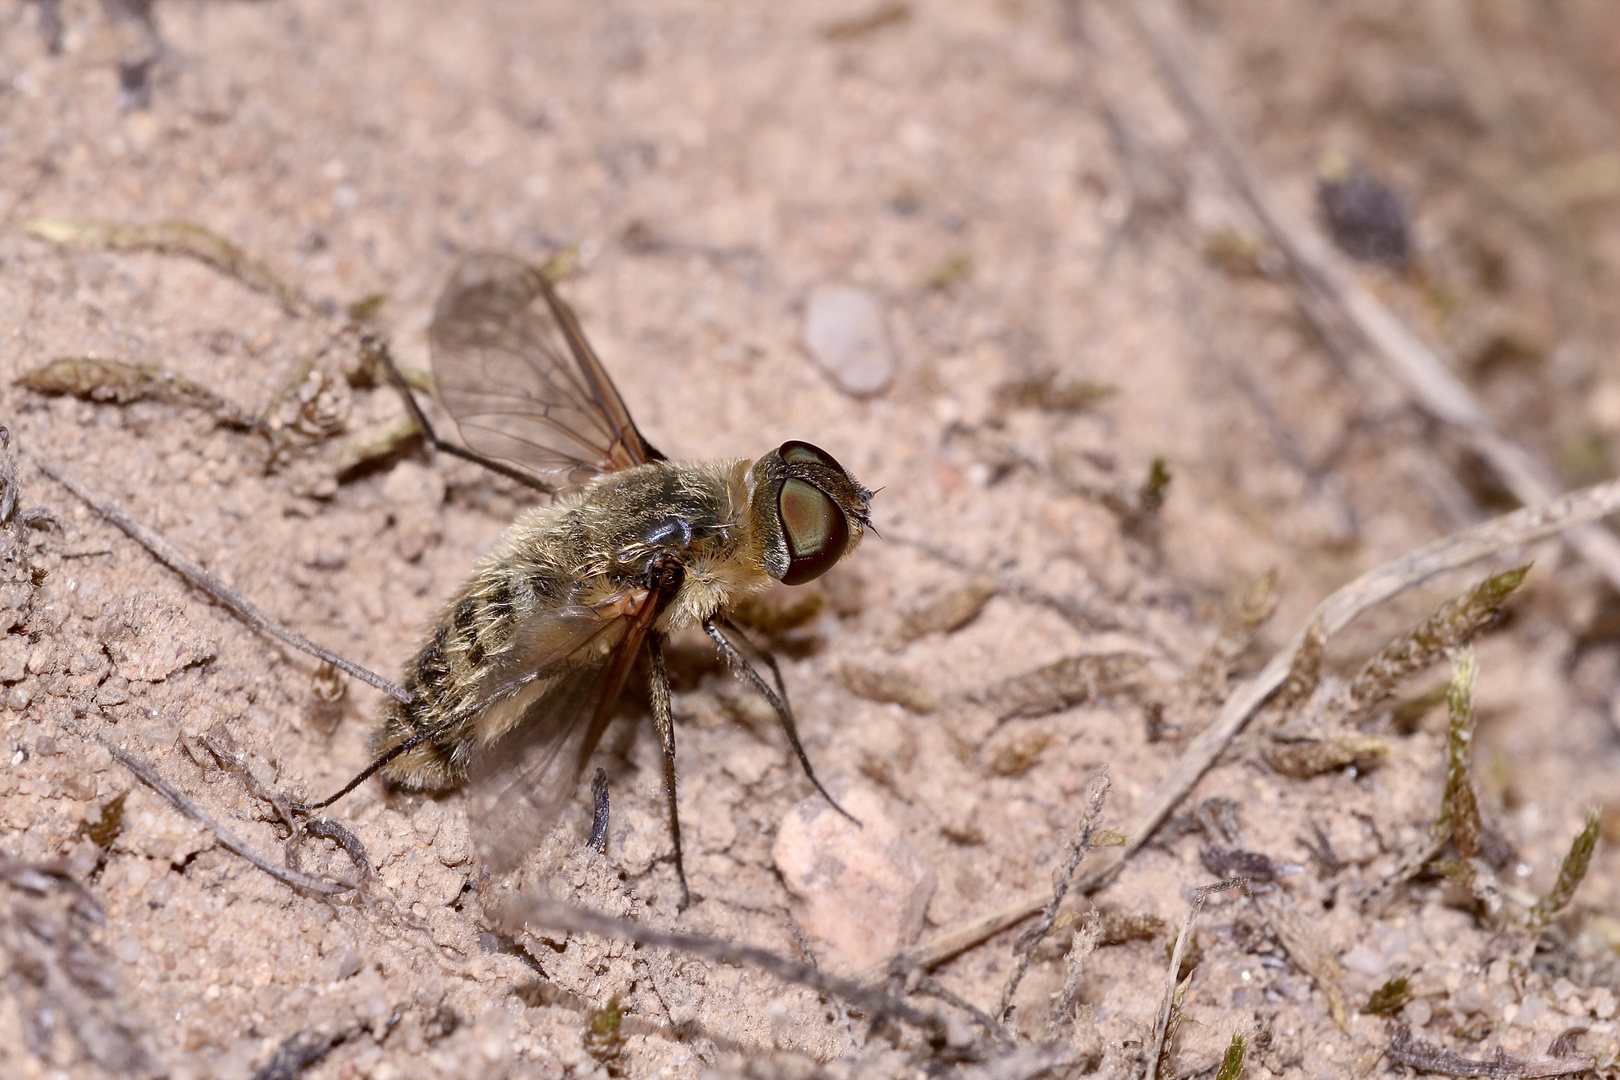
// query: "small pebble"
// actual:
[[843, 329], [1364, 215]]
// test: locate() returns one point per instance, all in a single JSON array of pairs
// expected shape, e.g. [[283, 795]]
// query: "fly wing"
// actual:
[[521, 783], [514, 369]]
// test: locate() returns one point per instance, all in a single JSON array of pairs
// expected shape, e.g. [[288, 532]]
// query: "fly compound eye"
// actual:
[[816, 530]]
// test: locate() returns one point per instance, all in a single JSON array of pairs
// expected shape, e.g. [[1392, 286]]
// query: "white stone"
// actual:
[[843, 329]]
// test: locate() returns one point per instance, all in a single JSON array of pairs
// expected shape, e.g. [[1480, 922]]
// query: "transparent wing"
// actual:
[[521, 783], [514, 369]]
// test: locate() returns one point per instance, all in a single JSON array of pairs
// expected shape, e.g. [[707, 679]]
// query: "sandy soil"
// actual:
[[1013, 185]]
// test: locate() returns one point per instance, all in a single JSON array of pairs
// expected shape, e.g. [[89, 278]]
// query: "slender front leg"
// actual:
[[742, 667], [664, 718], [599, 817]]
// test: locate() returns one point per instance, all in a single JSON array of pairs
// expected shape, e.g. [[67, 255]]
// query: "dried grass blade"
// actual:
[[1173, 988]]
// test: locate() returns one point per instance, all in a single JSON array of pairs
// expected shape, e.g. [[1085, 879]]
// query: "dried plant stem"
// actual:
[[149, 776], [1407, 359], [177, 238], [1079, 844], [1080, 950], [1367, 591], [1173, 988], [244, 608]]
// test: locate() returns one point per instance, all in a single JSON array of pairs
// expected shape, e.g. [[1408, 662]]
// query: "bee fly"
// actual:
[[517, 679]]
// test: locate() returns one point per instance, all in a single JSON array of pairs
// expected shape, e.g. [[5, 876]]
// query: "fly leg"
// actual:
[[742, 667], [377, 348], [664, 718], [599, 818]]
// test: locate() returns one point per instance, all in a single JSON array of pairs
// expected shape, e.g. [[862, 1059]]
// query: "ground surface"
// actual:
[[1017, 191]]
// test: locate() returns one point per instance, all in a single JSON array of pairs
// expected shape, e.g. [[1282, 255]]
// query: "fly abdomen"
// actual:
[[446, 680]]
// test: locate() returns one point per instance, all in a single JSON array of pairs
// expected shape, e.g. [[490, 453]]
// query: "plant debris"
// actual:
[[604, 1039], [1364, 215], [1049, 392], [1305, 759], [773, 615], [1389, 998], [887, 685], [1074, 852], [176, 238], [1426, 1057], [948, 612], [302, 1050], [119, 383], [1571, 872], [108, 823], [879, 18], [1063, 684]]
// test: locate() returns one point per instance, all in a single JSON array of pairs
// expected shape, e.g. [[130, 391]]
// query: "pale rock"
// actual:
[[843, 329], [858, 892]]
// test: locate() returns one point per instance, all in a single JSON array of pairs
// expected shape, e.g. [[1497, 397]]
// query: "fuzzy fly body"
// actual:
[[517, 679]]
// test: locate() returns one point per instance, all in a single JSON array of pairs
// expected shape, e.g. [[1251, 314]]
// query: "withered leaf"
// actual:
[[1074, 680]]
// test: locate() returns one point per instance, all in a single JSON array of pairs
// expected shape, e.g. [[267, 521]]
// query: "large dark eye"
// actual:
[[816, 530]]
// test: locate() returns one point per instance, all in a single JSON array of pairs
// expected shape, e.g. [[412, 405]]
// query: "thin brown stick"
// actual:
[[530, 909], [1079, 845], [1367, 591], [148, 775], [1161, 1027], [1407, 359], [244, 608]]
